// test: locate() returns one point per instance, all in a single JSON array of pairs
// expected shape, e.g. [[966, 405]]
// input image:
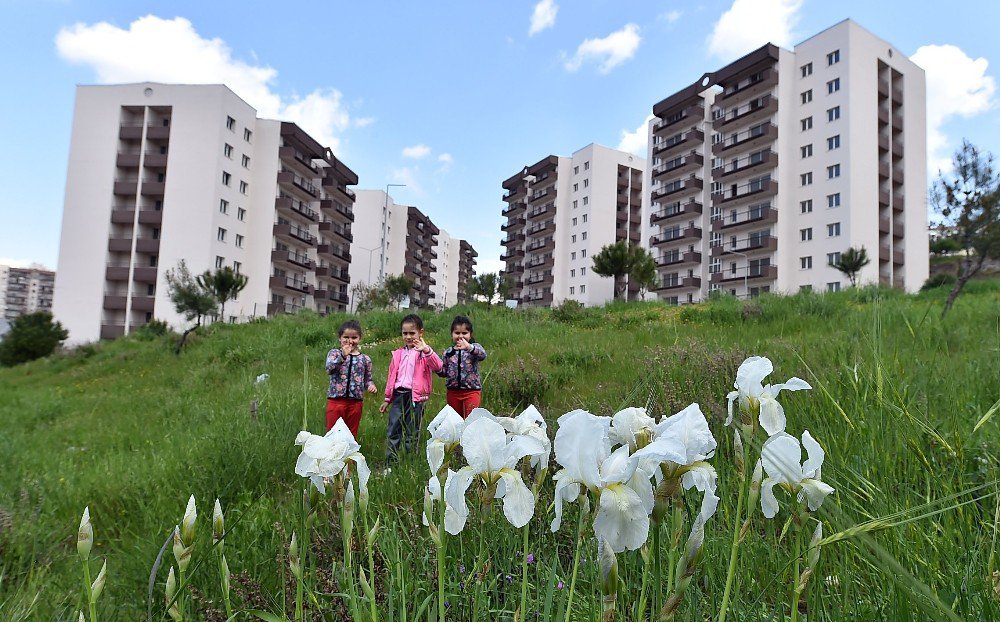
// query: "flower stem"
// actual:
[[371, 566], [524, 573], [737, 524], [299, 586], [225, 590], [641, 607], [796, 592], [657, 567], [676, 523], [440, 557], [479, 564], [576, 564], [91, 605], [181, 584]]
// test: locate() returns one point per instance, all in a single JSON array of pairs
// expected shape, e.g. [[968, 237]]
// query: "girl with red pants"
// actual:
[[461, 367], [350, 376]]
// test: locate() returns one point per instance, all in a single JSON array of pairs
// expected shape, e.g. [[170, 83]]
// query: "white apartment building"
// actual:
[[25, 290], [161, 173], [560, 212], [764, 171], [393, 239]]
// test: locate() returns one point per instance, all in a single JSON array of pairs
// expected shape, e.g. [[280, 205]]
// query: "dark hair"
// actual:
[[463, 320], [350, 325], [414, 319]]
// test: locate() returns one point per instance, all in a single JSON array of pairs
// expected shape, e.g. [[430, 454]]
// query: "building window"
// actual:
[[576, 187], [219, 261], [576, 170], [807, 96], [833, 58], [584, 218], [247, 135], [583, 236], [244, 186], [806, 178], [806, 263], [572, 256], [833, 200], [586, 200], [833, 171], [239, 241], [833, 142], [583, 289], [226, 178], [833, 287], [807, 69], [806, 206], [807, 123], [574, 204], [807, 150], [230, 124], [572, 273], [832, 114], [224, 206], [227, 150], [572, 290], [586, 165], [833, 86], [221, 235], [586, 183], [241, 213], [573, 238], [583, 271], [805, 288], [806, 234], [246, 161], [833, 229], [574, 222], [237, 266], [583, 253]]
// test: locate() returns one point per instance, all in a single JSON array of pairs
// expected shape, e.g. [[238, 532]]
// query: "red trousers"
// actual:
[[348, 410], [464, 400]]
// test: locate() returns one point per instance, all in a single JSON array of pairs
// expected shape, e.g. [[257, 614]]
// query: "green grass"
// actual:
[[130, 430]]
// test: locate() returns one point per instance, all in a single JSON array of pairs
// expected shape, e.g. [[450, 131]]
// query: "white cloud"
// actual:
[[956, 86], [171, 50], [363, 121], [610, 51], [749, 24], [416, 152], [544, 16], [446, 161], [636, 142], [670, 16], [408, 177]]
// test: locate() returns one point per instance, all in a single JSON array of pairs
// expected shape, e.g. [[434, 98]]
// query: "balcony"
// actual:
[[689, 139], [883, 87], [143, 303], [158, 132], [123, 216], [679, 165], [293, 157], [897, 229], [512, 254], [343, 190], [757, 84], [692, 114], [539, 298], [515, 194], [752, 216], [675, 210], [897, 123], [153, 188], [291, 257], [340, 230], [759, 161], [755, 189], [126, 188], [114, 302], [540, 228], [541, 194], [116, 273], [679, 283], [897, 148], [676, 235], [884, 225], [514, 208], [884, 253], [512, 238], [336, 210], [756, 136], [883, 116], [678, 258], [542, 261], [334, 251], [303, 186], [544, 277], [144, 274], [112, 331], [290, 232], [154, 160], [883, 170], [284, 282], [897, 257], [333, 272], [513, 223], [747, 245], [751, 112], [293, 207], [130, 132], [274, 308], [515, 269], [898, 205], [750, 273], [548, 208], [127, 160], [687, 184]]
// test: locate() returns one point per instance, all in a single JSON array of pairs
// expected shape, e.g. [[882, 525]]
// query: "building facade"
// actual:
[[561, 211], [762, 173], [25, 290], [160, 174]]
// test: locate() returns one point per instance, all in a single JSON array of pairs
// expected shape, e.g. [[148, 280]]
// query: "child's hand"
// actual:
[[461, 344], [420, 344], [383, 407], [372, 388], [347, 350]]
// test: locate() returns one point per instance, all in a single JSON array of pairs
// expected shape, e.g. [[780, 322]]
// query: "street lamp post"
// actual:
[[369, 281], [747, 269], [385, 221]]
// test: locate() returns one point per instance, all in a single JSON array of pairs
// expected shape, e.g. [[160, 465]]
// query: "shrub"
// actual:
[[941, 279], [151, 330], [515, 386], [31, 336], [569, 312]]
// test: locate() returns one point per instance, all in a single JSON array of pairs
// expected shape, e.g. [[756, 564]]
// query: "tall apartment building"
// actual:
[[466, 270], [25, 290], [393, 239], [162, 173], [765, 171], [560, 212]]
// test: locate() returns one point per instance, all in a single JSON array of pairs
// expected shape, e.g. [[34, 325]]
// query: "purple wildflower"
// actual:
[[560, 585], [531, 558]]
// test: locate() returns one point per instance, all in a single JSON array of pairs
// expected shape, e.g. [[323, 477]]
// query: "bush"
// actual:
[[515, 386], [569, 312], [31, 336], [941, 279], [151, 330]]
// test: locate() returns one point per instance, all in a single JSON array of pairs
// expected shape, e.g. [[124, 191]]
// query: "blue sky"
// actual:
[[448, 97]]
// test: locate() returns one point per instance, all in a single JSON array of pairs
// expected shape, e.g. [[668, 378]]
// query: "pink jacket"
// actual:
[[427, 362]]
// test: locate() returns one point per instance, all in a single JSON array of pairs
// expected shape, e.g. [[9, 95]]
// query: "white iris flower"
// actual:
[[325, 457], [446, 433], [752, 395], [782, 459]]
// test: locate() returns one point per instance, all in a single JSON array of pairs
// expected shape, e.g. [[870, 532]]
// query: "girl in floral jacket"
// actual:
[[350, 376], [461, 367]]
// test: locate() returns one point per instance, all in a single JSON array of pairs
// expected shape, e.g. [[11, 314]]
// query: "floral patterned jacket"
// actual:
[[461, 368], [350, 376]]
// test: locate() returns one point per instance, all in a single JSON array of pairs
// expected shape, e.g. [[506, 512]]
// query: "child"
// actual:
[[461, 367], [350, 376], [408, 386]]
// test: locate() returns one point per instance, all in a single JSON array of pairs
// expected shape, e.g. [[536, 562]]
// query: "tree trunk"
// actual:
[[180, 344], [963, 278]]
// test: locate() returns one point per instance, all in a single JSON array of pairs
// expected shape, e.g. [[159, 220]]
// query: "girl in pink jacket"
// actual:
[[408, 387]]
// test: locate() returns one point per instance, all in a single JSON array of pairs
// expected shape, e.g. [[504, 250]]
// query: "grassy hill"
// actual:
[[131, 430]]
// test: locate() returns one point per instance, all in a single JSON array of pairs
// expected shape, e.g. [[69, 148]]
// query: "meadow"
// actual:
[[904, 403]]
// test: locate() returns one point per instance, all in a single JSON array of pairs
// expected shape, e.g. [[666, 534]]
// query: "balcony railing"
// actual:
[[748, 244], [758, 214]]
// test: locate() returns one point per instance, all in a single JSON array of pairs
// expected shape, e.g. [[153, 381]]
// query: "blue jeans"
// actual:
[[405, 417]]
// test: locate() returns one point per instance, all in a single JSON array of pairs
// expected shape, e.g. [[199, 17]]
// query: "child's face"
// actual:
[[350, 339], [461, 332], [411, 333]]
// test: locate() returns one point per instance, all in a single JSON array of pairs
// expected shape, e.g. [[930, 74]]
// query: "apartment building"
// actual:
[[765, 171], [393, 239], [25, 290], [466, 270], [161, 173], [560, 212]]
